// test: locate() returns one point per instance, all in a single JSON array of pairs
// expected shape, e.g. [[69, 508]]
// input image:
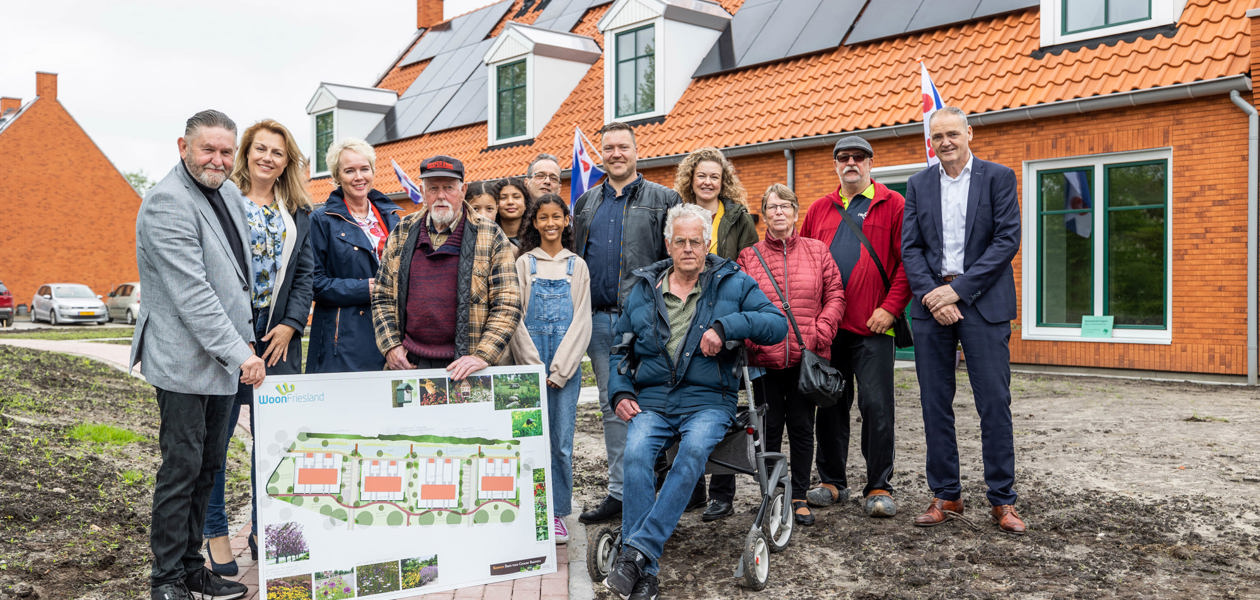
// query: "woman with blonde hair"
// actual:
[[269, 170], [348, 234], [705, 178]]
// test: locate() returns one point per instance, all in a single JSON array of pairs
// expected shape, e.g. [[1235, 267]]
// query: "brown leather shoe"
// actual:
[[1008, 520], [936, 512]]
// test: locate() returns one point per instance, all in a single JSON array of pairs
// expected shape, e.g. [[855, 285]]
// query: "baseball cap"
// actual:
[[442, 166], [851, 142]]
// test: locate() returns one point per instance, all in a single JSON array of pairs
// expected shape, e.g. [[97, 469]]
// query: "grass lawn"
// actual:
[[78, 333]]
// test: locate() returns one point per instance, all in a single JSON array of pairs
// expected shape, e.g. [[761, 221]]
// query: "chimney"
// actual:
[[7, 104], [46, 85], [428, 13]]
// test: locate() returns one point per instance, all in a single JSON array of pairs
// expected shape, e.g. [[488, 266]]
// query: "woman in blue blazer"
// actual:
[[348, 234]]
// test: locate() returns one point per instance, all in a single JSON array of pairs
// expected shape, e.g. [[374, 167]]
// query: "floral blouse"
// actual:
[[266, 247]]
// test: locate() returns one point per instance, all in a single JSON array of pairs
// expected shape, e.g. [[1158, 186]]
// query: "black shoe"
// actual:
[[205, 585], [226, 569], [607, 510], [170, 591], [647, 588], [626, 571], [698, 497], [806, 518], [717, 509]]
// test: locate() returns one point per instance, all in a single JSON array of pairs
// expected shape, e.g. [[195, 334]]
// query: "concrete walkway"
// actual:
[[564, 583]]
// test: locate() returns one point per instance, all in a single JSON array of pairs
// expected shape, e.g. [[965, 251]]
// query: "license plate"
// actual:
[[86, 313]]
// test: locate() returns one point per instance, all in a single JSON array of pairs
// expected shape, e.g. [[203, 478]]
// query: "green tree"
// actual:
[[139, 181]]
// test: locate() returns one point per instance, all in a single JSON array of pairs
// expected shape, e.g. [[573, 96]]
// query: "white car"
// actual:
[[60, 303], [124, 302]]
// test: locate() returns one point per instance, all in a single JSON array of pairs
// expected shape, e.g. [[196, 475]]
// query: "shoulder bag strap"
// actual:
[[844, 214], [787, 309]]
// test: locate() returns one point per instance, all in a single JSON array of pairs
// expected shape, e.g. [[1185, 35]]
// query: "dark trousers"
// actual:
[[987, 347], [868, 359], [429, 363], [191, 435], [785, 406]]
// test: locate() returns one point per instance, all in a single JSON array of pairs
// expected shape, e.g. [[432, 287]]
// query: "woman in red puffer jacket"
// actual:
[[807, 275]]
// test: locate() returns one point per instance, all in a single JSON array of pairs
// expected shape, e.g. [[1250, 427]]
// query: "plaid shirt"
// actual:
[[488, 295]]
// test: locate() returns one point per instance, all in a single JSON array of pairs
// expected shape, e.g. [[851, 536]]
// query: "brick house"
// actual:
[[1106, 111], [70, 215]]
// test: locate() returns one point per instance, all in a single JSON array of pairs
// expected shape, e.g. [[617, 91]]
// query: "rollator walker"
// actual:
[[739, 452]]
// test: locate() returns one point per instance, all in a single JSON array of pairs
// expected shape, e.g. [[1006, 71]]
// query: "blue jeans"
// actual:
[[647, 520], [547, 317], [599, 350]]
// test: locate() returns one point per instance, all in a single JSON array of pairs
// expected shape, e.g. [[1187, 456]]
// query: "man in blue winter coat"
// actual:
[[681, 311]]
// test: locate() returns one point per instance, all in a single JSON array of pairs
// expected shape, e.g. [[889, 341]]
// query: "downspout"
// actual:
[[1253, 151], [790, 155]]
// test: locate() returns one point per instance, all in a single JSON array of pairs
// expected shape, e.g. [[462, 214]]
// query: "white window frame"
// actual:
[[315, 141], [1163, 12], [610, 71], [492, 120], [1031, 264]]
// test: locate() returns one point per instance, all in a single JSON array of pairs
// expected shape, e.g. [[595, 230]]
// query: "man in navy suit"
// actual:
[[960, 233]]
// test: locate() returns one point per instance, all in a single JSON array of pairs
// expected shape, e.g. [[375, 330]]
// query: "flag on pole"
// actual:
[[931, 104], [584, 173], [413, 190], [1077, 197]]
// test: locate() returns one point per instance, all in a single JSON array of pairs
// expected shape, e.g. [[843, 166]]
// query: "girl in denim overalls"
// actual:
[[556, 289]]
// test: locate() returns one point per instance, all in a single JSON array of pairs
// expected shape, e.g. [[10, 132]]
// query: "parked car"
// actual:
[[124, 302], [67, 303], [6, 306]]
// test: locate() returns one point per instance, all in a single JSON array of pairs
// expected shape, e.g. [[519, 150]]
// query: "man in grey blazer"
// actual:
[[193, 342]]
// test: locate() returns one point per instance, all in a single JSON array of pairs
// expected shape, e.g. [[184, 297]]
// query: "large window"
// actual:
[[1084, 15], [323, 140], [1101, 240], [636, 71], [510, 100]]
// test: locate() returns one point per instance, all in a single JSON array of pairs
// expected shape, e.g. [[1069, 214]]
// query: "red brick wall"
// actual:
[[69, 214]]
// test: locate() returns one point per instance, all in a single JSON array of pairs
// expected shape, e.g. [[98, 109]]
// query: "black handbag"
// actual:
[[819, 382], [902, 337]]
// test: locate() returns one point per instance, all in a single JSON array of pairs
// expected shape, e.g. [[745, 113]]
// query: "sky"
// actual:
[[132, 71]]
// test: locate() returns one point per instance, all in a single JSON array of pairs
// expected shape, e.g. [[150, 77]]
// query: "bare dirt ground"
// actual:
[[1130, 489]]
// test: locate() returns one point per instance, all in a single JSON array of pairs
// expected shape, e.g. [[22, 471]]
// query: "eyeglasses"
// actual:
[[540, 176], [779, 208], [845, 158], [688, 243]]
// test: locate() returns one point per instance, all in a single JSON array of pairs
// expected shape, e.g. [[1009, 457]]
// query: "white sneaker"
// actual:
[[561, 532]]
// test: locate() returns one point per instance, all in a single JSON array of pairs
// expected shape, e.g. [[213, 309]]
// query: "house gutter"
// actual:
[[790, 155], [1253, 151], [1181, 91]]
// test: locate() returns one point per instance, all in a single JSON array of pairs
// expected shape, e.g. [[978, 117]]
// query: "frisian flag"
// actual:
[[585, 173], [1076, 196], [931, 104], [413, 190]]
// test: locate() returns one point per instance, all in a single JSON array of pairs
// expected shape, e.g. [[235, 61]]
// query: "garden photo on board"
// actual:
[[418, 571], [516, 390]]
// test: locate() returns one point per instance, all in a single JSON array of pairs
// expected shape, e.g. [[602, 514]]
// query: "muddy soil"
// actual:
[[1130, 489], [74, 514]]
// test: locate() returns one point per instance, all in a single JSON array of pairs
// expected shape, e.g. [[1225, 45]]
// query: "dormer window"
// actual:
[[652, 48], [510, 106], [323, 140], [531, 71], [1067, 21], [636, 71], [341, 111]]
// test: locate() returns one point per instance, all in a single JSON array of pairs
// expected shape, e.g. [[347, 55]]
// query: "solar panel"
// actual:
[[826, 27], [562, 15], [997, 7], [780, 31], [462, 31], [935, 14], [892, 18]]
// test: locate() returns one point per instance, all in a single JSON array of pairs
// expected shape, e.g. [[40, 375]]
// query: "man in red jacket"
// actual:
[[863, 348]]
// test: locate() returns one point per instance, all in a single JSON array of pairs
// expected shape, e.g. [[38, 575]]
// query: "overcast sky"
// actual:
[[132, 71]]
